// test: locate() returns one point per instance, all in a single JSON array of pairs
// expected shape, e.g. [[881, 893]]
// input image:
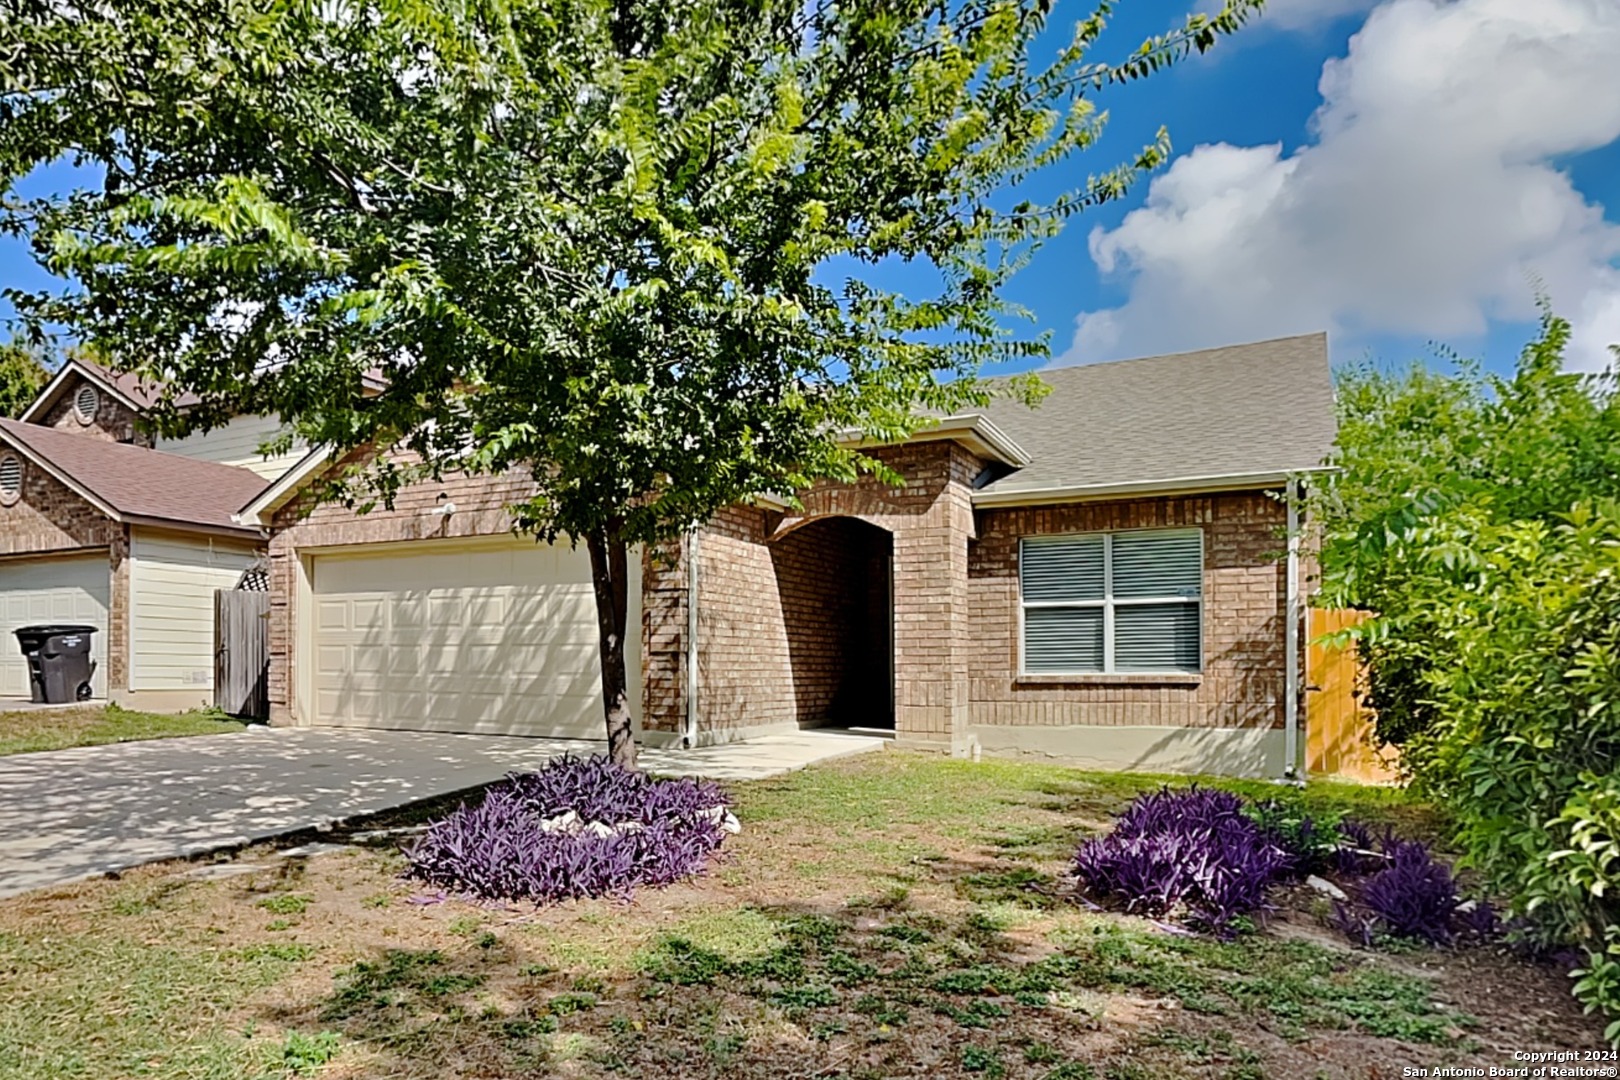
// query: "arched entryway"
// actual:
[[835, 580]]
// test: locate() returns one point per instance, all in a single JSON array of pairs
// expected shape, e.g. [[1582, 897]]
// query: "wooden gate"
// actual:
[[242, 652], [1338, 728]]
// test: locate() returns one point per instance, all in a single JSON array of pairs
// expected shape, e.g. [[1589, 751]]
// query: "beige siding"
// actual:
[[237, 443], [172, 583]]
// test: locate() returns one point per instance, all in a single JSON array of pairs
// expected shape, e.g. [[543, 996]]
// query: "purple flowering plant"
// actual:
[[577, 827]]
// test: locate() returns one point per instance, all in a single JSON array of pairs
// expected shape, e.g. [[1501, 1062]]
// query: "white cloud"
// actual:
[[1428, 200]]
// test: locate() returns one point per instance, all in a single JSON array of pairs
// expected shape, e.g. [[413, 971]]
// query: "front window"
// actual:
[[1106, 603]]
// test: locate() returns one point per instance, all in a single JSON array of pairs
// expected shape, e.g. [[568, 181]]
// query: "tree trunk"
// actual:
[[610, 581]]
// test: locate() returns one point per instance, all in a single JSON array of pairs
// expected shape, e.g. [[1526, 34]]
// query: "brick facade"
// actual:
[[772, 650], [1242, 683], [50, 517], [877, 602], [118, 606], [663, 638], [113, 421], [774, 642], [791, 631]]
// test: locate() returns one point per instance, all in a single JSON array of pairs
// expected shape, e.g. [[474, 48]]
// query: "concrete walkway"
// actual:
[[72, 814]]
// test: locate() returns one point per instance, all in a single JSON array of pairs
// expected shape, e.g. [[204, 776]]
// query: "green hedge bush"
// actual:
[[1478, 518]]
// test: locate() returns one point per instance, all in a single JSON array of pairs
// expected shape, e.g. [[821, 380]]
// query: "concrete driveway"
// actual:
[[72, 814]]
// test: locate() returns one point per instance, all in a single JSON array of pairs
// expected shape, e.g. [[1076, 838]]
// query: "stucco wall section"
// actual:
[[1244, 580]]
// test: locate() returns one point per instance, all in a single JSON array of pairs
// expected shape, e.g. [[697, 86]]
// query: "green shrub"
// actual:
[[1477, 517]]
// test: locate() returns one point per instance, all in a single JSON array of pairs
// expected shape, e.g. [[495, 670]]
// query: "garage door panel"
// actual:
[[332, 615], [64, 590], [491, 639]]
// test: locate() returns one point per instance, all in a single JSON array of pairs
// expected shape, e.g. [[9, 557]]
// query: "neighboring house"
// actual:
[[105, 524], [1101, 579]]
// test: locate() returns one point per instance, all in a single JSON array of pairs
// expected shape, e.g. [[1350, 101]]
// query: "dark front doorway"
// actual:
[[835, 579]]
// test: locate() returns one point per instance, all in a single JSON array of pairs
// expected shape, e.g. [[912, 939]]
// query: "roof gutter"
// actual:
[[1180, 485], [252, 532]]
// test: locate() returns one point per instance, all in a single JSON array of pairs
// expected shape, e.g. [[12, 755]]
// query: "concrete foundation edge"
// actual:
[[164, 701], [664, 740], [1239, 752]]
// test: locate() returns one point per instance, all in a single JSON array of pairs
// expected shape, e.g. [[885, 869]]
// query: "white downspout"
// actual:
[[689, 735], [1291, 764]]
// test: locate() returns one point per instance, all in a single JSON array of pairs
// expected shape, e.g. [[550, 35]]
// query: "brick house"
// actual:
[[106, 524], [1106, 578]]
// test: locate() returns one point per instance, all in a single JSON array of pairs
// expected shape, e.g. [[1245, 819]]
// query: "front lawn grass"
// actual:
[[890, 915], [58, 729]]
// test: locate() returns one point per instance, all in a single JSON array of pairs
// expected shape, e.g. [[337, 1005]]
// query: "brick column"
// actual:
[[118, 613], [932, 633]]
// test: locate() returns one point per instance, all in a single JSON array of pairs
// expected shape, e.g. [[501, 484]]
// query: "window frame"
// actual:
[[1108, 603]]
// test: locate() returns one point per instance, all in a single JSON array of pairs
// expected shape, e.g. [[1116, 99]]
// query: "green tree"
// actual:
[[1479, 517], [621, 244], [22, 377], [1422, 454]]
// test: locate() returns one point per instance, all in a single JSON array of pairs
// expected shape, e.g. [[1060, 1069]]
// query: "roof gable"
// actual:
[[130, 390], [132, 483]]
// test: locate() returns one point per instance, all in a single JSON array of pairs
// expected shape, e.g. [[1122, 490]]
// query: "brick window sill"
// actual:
[[1179, 681]]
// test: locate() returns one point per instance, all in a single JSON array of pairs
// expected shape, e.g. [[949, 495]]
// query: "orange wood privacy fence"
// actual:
[[1338, 728]]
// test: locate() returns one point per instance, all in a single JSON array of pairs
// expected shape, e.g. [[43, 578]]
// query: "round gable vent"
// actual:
[[85, 403], [11, 478]]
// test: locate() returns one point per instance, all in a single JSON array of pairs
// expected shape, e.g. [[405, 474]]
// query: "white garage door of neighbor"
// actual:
[[38, 591], [493, 640]]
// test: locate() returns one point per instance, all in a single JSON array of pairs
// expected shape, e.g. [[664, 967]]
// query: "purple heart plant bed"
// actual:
[[579, 827], [1192, 853], [1210, 858]]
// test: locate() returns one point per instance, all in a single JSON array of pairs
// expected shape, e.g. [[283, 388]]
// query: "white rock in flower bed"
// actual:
[[1326, 888], [570, 822], [567, 822], [722, 817]]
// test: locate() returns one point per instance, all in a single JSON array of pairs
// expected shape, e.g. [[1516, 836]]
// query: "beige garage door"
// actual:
[[495, 640], [38, 591]]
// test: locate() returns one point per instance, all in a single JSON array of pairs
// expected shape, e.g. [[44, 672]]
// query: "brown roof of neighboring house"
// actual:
[[1262, 409], [138, 393], [133, 482]]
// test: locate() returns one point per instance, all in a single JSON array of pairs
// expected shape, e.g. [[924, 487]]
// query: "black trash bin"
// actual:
[[59, 664]]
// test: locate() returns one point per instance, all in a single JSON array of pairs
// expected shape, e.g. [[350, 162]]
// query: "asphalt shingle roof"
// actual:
[[138, 482], [1265, 407]]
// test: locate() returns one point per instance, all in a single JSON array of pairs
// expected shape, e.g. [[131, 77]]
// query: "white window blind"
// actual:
[[1113, 602]]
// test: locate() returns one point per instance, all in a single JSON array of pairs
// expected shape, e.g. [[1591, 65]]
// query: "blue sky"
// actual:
[[1395, 172]]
